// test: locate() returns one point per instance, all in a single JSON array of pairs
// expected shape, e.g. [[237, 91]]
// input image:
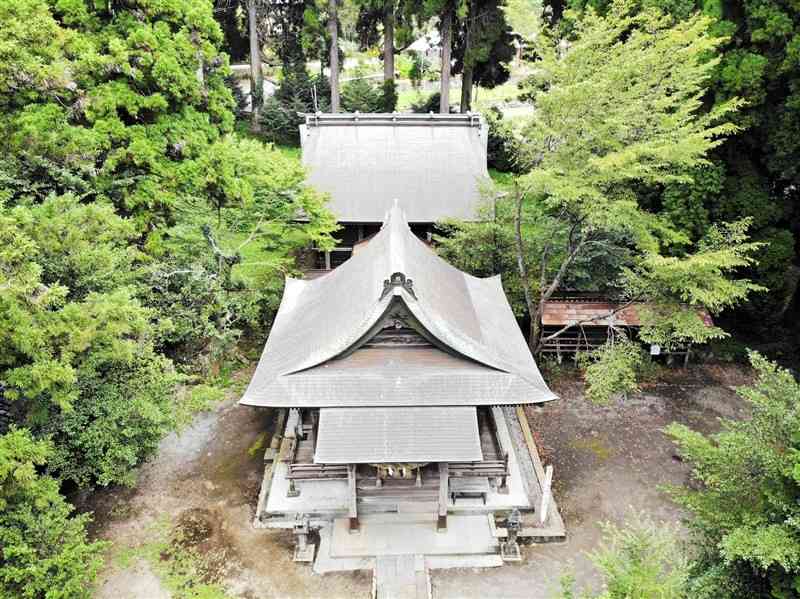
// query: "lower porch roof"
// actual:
[[398, 435]]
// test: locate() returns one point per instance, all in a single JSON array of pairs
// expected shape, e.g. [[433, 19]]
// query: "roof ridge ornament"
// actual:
[[398, 279]]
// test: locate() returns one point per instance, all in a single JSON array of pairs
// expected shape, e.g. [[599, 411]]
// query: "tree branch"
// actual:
[[562, 270], [588, 320]]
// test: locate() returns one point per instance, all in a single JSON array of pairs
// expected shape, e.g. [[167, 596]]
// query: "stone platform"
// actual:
[[413, 534]]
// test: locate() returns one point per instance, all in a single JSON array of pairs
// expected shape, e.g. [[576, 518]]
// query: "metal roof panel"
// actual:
[[394, 435], [436, 164]]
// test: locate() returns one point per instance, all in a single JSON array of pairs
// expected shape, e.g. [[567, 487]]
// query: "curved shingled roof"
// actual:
[[319, 320]]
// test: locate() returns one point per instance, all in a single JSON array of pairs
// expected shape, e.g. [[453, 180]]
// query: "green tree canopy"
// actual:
[[44, 549], [755, 173], [125, 203], [744, 504], [619, 109], [110, 102]]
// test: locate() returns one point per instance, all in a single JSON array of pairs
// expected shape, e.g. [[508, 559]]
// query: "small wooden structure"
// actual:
[[598, 319]]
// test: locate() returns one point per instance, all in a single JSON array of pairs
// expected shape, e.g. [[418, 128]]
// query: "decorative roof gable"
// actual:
[[311, 360]]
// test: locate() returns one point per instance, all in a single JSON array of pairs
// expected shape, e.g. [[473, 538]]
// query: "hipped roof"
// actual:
[[470, 319]]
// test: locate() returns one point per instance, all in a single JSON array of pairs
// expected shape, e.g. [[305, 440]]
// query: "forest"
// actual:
[[150, 187]]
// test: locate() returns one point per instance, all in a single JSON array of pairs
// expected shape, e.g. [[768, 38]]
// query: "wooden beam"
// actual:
[[352, 498], [526, 432], [444, 492]]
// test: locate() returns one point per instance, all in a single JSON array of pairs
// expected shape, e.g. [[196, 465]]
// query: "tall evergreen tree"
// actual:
[[333, 32], [483, 48]]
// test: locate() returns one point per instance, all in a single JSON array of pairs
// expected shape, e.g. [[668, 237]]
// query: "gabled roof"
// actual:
[[436, 163], [478, 355]]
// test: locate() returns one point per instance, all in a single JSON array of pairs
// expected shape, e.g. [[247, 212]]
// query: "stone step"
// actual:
[[401, 577]]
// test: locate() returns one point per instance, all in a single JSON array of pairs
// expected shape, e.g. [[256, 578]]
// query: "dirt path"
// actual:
[[608, 462], [207, 481]]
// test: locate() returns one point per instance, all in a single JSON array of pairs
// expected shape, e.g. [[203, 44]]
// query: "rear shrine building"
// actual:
[[399, 382], [434, 164]]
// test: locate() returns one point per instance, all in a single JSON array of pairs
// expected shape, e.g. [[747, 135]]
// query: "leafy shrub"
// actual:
[[743, 498], [612, 369], [280, 121], [502, 146], [642, 559], [425, 105], [416, 69], [44, 549]]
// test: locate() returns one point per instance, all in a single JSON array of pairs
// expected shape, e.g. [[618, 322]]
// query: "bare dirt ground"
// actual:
[[608, 461], [205, 482]]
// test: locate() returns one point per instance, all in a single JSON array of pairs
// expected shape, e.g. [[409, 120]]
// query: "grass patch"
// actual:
[[182, 571], [258, 445], [503, 180], [594, 445], [291, 152], [194, 399], [486, 98], [408, 97]]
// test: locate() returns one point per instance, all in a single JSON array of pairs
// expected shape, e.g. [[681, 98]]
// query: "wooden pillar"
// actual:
[[504, 479], [352, 498], [546, 493], [444, 476]]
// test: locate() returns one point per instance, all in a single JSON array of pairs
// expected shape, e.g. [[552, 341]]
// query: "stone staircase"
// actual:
[[401, 577]]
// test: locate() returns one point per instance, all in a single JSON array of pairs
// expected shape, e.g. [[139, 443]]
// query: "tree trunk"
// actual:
[[466, 88], [235, 41], [388, 41], [533, 311], [469, 69], [256, 80], [333, 30], [447, 42]]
